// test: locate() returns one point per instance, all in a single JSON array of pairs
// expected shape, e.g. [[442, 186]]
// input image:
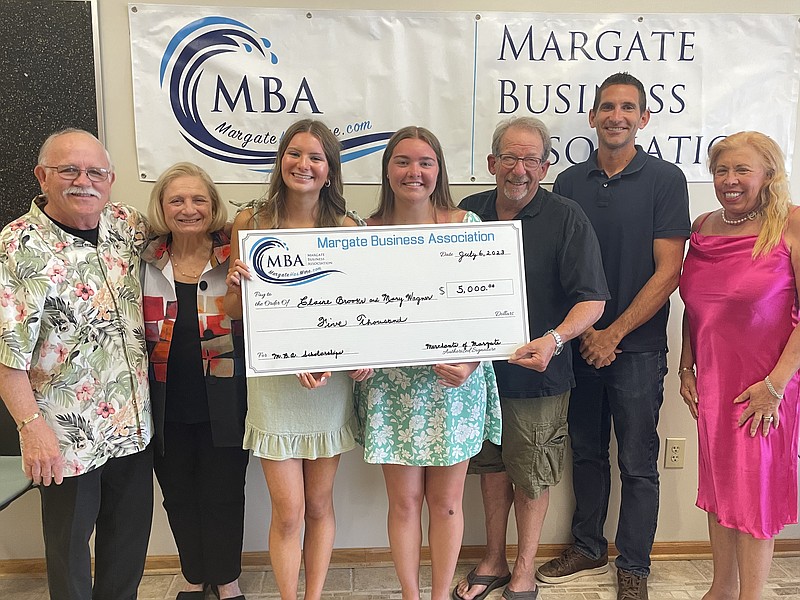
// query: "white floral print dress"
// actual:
[[406, 417]]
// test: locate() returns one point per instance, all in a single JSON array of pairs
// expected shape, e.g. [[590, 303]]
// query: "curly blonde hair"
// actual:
[[774, 195]]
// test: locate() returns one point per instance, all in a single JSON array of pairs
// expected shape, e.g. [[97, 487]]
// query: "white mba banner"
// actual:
[[218, 86]]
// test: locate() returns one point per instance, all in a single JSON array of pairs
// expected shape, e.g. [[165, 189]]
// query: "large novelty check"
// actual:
[[349, 297]]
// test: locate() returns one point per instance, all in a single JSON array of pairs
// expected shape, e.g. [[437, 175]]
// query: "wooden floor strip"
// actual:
[[366, 557]]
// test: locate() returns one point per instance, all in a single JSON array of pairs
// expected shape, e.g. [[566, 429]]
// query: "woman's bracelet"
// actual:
[[772, 389], [683, 370], [24, 422]]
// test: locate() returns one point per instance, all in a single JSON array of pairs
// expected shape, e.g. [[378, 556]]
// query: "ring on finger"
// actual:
[[769, 419]]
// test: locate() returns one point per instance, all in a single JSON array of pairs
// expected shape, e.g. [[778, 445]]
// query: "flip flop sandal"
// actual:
[[490, 581], [526, 595]]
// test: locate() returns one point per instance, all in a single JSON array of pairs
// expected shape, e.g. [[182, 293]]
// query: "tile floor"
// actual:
[[669, 580]]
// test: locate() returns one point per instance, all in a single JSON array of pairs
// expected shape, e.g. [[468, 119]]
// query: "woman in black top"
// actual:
[[197, 380]]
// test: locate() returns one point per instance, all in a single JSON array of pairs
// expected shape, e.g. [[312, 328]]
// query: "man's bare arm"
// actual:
[[537, 353], [598, 346], [41, 458]]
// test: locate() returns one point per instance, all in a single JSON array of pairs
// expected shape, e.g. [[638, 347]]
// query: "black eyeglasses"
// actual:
[[71, 172], [509, 161]]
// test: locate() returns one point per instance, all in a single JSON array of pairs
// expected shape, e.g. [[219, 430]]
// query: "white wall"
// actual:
[[360, 496]]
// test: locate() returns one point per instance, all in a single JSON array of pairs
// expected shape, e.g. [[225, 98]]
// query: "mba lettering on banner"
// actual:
[[220, 85]]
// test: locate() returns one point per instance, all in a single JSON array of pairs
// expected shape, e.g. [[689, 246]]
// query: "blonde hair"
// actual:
[[440, 198], [774, 194], [270, 211], [155, 210]]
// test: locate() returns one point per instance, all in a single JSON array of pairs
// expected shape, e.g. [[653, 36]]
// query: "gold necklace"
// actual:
[[177, 268]]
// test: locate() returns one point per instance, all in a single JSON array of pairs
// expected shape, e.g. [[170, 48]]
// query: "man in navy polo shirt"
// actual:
[[639, 207]]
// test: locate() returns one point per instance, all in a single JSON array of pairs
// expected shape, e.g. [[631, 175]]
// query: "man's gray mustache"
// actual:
[[82, 190]]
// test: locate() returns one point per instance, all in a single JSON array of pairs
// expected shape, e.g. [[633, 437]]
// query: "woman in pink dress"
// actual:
[[739, 332]]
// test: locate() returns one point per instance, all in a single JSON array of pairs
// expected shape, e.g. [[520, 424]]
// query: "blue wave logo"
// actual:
[[271, 254], [182, 69]]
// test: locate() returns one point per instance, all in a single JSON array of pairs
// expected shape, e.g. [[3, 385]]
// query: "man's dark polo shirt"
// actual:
[[563, 266], [647, 200]]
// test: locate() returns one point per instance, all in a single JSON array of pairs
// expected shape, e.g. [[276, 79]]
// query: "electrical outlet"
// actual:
[[674, 454]]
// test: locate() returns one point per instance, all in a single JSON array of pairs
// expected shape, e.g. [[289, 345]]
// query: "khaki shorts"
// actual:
[[533, 443]]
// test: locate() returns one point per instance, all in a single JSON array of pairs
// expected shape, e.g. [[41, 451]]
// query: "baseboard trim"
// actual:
[[373, 557]]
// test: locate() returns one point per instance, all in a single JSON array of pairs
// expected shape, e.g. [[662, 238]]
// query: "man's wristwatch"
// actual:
[[557, 338]]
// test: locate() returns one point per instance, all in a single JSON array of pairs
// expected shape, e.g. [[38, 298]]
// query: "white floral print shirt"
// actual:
[[70, 314]]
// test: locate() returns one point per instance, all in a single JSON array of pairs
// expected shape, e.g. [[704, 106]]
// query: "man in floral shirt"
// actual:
[[73, 368]]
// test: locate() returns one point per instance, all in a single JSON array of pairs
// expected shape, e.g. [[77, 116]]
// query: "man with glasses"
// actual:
[[639, 207], [566, 294], [73, 368]]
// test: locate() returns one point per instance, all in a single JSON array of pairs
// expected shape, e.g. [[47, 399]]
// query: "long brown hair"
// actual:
[[270, 210], [440, 198]]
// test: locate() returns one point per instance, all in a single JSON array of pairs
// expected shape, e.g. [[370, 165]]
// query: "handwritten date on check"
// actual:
[[350, 297]]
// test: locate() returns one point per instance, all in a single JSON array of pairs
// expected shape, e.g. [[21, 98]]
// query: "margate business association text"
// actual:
[[394, 239]]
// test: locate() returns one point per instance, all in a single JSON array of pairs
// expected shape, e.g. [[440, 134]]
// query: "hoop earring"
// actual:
[[327, 183]]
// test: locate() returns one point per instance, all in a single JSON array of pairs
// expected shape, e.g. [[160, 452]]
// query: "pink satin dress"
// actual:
[[741, 313]]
